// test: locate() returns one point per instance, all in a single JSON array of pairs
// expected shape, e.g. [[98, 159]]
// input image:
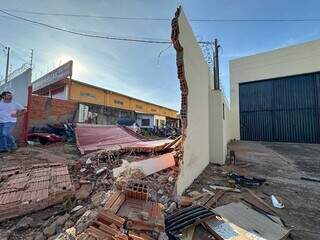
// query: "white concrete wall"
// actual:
[[293, 60], [219, 113], [19, 87], [196, 145], [226, 128]]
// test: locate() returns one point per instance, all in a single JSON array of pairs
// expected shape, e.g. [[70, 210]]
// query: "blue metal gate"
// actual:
[[285, 109]]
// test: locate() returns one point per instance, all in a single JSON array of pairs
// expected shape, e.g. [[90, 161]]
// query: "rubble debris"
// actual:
[[115, 201], [185, 201], [85, 220], [247, 181], [128, 211], [40, 236], [125, 176], [257, 205], [241, 222], [172, 207], [202, 233], [84, 191], [148, 166], [174, 144], [227, 189], [210, 200], [261, 200], [186, 217], [99, 199], [194, 194], [101, 227], [33, 189], [138, 190], [53, 228], [276, 203], [93, 137], [101, 170], [25, 223], [153, 220], [75, 209]]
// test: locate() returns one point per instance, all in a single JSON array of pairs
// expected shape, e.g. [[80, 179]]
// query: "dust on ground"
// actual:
[[282, 165]]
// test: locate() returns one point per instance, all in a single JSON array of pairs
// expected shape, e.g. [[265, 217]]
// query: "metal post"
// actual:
[[26, 118], [216, 65], [7, 67]]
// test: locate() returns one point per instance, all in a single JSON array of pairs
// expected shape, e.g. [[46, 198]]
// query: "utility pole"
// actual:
[[31, 59], [216, 65], [7, 67]]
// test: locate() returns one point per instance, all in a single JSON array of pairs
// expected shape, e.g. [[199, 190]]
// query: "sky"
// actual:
[[136, 69]]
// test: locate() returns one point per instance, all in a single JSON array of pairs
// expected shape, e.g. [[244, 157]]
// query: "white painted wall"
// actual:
[[145, 116], [196, 145], [293, 60], [219, 126], [19, 87], [159, 118]]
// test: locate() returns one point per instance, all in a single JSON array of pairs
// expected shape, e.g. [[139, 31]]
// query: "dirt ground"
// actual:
[[26, 156], [282, 165]]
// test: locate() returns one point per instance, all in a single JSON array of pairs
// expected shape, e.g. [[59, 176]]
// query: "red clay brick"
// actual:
[[33, 190], [110, 217]]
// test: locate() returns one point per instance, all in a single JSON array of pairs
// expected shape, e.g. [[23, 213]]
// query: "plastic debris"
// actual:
[[101, 170], [276, 203]]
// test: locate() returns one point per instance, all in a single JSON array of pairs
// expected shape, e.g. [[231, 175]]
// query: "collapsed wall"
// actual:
[[193, 73]]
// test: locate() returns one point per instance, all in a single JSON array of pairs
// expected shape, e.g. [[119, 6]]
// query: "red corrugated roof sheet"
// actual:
[[91, 137]]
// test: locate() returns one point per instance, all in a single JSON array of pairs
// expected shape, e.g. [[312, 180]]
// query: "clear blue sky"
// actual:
[[134, 68]]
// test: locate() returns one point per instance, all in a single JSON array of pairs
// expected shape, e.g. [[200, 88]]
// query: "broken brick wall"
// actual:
[[193, 73], [45, 110]]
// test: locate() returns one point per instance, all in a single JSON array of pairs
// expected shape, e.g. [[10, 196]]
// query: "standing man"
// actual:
[[8, 117]]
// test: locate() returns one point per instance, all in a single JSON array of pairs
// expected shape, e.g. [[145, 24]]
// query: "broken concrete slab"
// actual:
[[148, 166]]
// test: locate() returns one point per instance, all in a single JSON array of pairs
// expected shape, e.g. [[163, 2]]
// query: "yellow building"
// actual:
[[109, 106], [106, 106], [86, 93]]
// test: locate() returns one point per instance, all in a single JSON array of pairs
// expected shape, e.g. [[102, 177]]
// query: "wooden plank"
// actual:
[[261, 201], [227, 189], [204, 199], [198, 197], [215, 198]]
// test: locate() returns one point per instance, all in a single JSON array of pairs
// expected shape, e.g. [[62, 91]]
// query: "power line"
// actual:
[[89, 35], [165, 19]]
